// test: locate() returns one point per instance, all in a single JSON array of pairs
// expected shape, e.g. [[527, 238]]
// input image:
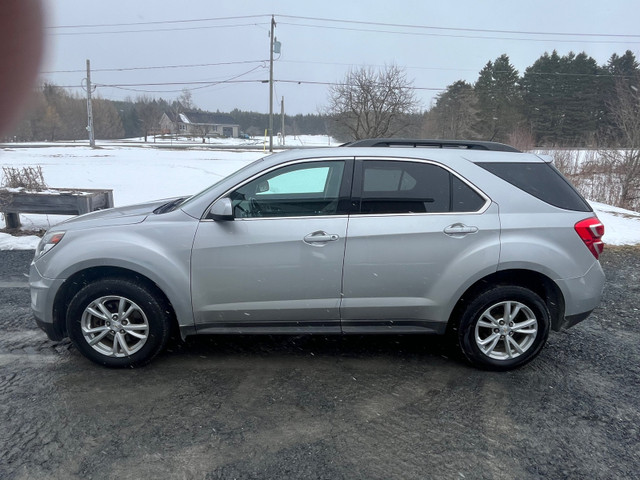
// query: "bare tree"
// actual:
[[522, 138], [149, 113], [106, 119], [372, 104], [201, 130], [625, 161], [185, 99]]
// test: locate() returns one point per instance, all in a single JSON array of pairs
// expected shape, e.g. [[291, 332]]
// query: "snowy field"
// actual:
[[137, 173]]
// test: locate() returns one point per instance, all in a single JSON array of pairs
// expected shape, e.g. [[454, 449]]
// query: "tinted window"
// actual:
[[465, 198], [412, 187], [543, 181], [306, 189]]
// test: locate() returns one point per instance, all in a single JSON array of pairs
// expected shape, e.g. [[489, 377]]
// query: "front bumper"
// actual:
[[43, 293], [52, 330]]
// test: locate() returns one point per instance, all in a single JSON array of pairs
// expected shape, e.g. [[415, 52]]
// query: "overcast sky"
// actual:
[[223, 60]]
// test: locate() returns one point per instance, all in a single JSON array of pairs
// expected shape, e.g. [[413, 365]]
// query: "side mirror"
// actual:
[[222, 209]]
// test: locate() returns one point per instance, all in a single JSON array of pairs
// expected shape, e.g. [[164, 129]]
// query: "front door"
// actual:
[[277, 267]]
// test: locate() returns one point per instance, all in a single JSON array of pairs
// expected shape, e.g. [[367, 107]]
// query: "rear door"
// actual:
[[419, 237]]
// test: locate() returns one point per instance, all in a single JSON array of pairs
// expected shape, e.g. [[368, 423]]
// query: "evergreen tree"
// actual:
[[499, 99], [128, 118], [624, 66], [564, 98], [455, 114], [623, 75]]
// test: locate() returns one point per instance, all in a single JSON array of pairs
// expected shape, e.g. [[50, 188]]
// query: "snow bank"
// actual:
[[621, 227]]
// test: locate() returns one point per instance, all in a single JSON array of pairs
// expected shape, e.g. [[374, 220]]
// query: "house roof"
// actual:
[[207, 118], [171, 116]]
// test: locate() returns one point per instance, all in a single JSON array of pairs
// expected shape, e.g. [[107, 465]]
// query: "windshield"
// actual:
[[204, 192]]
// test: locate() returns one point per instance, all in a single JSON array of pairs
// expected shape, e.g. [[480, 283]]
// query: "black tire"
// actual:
[[503, 328], [135, 330]]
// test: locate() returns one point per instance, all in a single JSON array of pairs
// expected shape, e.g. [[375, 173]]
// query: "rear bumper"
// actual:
[[570, 321], [581, 295]]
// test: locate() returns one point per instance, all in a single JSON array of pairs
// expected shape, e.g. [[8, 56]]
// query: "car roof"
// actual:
[[432, 143], [420, 153]]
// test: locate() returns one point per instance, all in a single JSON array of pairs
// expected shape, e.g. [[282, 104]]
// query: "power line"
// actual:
[[234, 80], [479, 30], [159, 67], [202, 84], [429, 34], [160, 22], [155, 30], [343, 21], [378, 65], [306, 62], [343, 84], [208, 83]]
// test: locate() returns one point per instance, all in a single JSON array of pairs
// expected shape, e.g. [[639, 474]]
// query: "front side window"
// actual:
[[307, 189], [414, 187]]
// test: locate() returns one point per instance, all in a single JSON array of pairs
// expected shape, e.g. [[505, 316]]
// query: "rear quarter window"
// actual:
[[543, 181]]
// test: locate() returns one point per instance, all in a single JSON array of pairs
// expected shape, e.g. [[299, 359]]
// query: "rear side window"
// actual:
[[543, 181], [412, 187]]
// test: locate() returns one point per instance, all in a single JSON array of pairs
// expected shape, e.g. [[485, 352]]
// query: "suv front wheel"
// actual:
[[118, 323], [503, 328]]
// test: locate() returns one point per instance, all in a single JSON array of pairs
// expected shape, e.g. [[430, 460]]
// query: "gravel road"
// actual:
[[275, 407]]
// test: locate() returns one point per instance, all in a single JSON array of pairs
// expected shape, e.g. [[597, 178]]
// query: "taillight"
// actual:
[[591, 231]]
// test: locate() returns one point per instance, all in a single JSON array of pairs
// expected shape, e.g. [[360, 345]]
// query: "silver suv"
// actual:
[[476, 240]]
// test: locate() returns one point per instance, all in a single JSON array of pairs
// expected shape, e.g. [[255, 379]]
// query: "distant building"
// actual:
[[200, 124], [168, 123]]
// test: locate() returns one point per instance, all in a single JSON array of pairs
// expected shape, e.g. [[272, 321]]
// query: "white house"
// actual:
[[200, 124]]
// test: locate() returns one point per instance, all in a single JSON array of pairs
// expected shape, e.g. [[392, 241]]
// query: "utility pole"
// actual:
[[273, 25], [282, 114], [92, 140]]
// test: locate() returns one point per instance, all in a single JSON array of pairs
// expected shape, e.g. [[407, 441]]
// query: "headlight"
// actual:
[[50, 240]]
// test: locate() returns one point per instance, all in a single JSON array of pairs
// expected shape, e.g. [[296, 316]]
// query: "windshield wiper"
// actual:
[[167, 207]]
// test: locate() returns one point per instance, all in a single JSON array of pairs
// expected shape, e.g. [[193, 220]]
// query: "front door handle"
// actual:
[[459, 230], [320, 237]]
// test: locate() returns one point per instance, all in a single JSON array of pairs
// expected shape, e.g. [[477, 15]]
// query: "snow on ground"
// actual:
[[622, 227], [139, 174], [259, 141]]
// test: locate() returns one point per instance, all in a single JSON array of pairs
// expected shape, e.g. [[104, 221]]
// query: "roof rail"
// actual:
[[409, 142]]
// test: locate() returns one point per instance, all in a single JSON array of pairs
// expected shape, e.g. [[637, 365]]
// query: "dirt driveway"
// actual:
[[273, 407]]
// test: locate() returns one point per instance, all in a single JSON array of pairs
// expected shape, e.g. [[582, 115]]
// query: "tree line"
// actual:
[[565, 100], [57, 114]]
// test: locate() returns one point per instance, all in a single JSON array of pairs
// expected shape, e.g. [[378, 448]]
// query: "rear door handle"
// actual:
[[459, 230], [320, 237]]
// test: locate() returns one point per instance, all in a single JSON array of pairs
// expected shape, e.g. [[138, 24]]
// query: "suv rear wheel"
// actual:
[[118, 323], [503, 328]]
